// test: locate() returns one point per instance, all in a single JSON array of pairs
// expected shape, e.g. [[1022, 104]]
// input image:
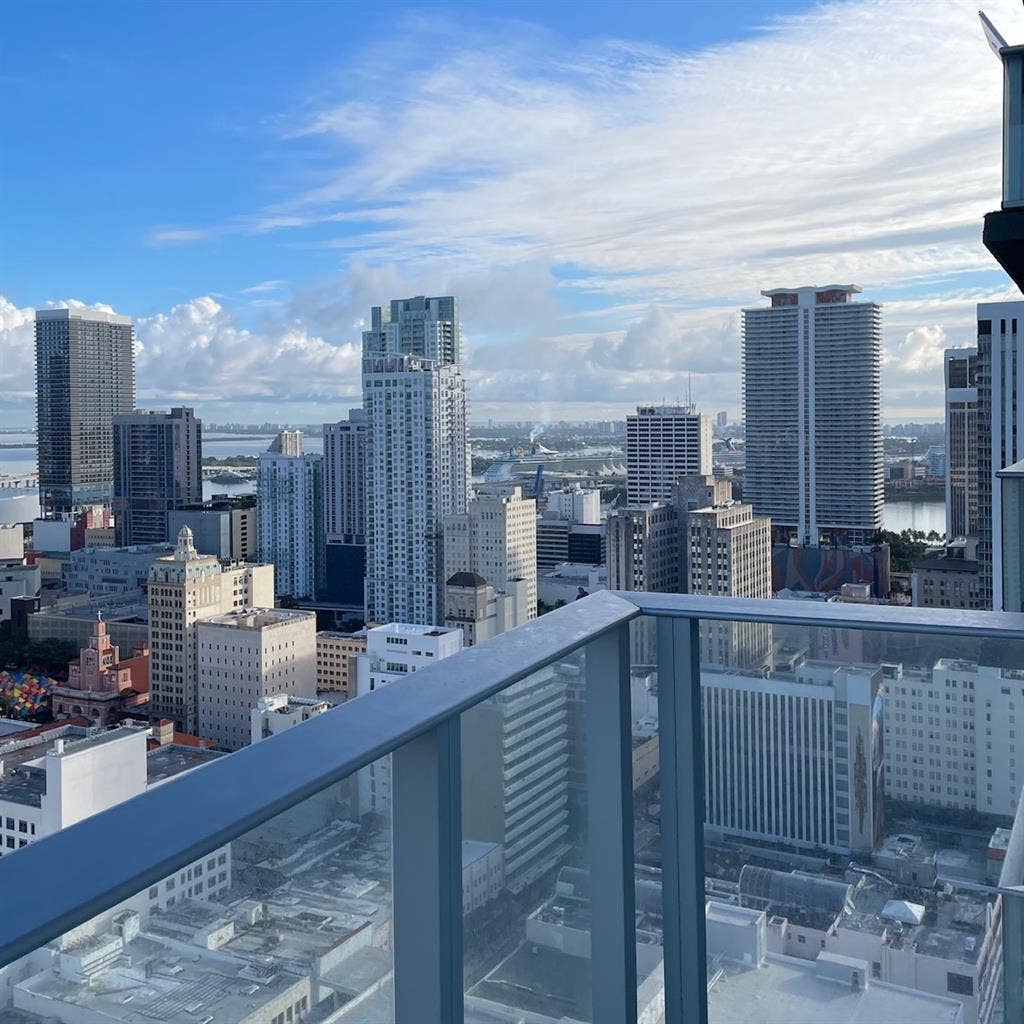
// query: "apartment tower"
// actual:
[[663, 443], [417, 466], [812, 365], [960, 371], [345, 509], [85, 376]]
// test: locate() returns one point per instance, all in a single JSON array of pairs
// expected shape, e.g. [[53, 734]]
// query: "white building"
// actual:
[[812, 364], [281, 712], [496, 537], [245, 656], [12, 542], [290, 520], [483, 873], [729, 554], [417, 469], [577, 504], [951, 736], [960, 372], [663, 443], [17, 581], [795, 758], [474, 606], [97, 571], [392, 652], [185, 588]]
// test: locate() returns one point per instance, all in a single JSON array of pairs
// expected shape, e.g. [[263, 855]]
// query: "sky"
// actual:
[[603, 185]]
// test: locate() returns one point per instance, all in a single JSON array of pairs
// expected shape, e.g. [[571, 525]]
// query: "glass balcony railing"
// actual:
[[638, 808]]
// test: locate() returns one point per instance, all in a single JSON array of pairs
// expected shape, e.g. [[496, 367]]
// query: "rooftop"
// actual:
[[174, 758], [257, 618]]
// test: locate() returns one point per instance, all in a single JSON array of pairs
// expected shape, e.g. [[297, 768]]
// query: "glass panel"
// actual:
[[525, 896], [860, 788], [291, 922]]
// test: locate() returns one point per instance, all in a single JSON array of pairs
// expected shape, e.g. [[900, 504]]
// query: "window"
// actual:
[[961, 984]]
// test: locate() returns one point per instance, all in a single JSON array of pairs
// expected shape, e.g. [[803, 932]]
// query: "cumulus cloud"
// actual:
[[921, 350]]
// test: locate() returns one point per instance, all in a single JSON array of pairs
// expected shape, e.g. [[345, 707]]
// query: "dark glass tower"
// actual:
[[85, 376]]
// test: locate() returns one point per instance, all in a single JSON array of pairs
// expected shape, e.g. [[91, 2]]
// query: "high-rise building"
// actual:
[[729, 554], [689, 493], [224, 526], [1000, 445], [185, 588], [287, 442], [345, 509], [158, 468], [495, 537], [85, 376], [812, 365], [960, 367], [663, 443], [290, 521], [417, 467], [245, 656]]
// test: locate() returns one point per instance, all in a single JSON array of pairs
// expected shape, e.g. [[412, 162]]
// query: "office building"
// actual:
[[948, 577], [85, 376], [158, 467], [224, 526], [417, 468], [336, 660], [185, 588], [811, 774], [663, 443], [474, 606], [101, 684], [496, 538], [960, 370], [1000, 445], [950, 736], [393, 651], [345, 509], [273, 715], [576, 504], [730, 555], [812, 364], [99, 571], [290, 521], [689, 493], [245, 656]]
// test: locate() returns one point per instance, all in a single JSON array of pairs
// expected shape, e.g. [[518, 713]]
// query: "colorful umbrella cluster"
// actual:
[[27, 692]]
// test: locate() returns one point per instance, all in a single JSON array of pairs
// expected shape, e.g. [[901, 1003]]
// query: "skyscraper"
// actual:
[[417, 467], [157, 470], [1000, 444], [663, 443], [85, 376], [290, 521], [960, 366], [812, 366], [345, 509]]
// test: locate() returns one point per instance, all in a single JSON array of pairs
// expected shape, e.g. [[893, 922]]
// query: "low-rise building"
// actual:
[[17, 581], [96, 570], [74, 618], [336, 655], [282, 711], [948, 577], [245, 656]]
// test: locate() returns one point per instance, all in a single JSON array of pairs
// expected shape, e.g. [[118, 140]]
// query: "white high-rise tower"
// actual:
[[417, 466]]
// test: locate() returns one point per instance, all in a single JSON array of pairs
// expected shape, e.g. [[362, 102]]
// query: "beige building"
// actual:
[[474, 606], [245, 656], [730, 555], [336, 660], [185, 588], [496, 537]]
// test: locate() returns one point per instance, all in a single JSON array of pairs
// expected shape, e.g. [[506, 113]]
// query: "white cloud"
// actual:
[[921, 350]]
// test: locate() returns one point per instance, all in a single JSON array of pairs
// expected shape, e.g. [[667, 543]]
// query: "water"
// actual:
[[915, 515]]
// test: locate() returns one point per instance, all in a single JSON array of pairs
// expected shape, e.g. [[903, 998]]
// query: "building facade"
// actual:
[[345, 509], [417, 468], [576, 504], [85, 376], [290, 521], [98, 571], [496, 537], [663, 443], [246, 656], [729, 554], [1000, 356], [336, 660], [960, 371], [224, 526], [158, 468], [185, 588], [812, 365]]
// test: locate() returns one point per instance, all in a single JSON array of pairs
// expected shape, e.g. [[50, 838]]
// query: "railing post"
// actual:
[[681, 752], [1013, 955], [609, 768], [426, 796]]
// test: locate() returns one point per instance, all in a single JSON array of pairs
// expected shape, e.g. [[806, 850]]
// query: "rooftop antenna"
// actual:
[[689, 388]]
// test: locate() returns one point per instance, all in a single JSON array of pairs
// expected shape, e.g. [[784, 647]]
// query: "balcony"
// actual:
[[416, 856]]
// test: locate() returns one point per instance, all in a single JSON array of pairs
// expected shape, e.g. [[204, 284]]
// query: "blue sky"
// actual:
[[604, 185]]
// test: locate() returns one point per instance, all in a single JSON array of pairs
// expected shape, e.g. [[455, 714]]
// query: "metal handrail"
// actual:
[[112, 856]]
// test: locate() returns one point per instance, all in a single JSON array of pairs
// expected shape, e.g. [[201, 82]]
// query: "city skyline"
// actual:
[[255, 297]]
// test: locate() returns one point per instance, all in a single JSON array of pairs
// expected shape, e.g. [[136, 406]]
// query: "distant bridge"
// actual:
[[18, 481]]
